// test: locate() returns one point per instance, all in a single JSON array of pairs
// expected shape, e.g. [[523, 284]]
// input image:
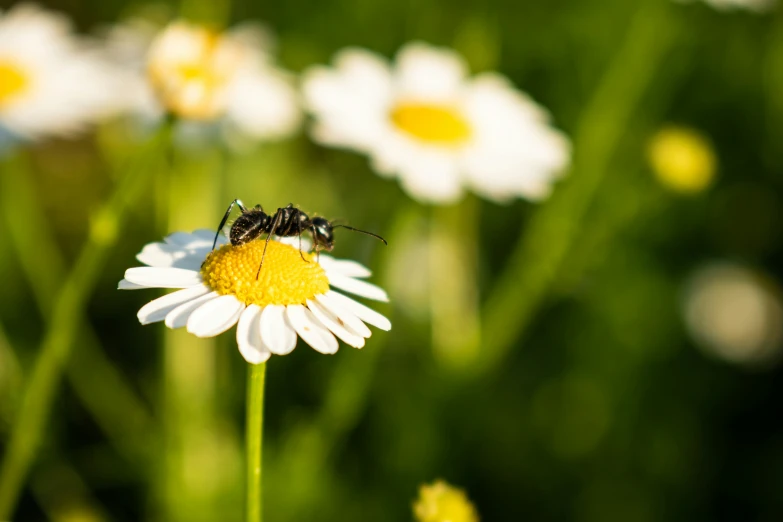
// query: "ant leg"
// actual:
[[278, 217], [317, 250], [225, 218], [300, 247]]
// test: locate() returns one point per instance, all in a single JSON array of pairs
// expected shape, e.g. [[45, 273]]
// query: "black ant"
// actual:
[[286, 222]]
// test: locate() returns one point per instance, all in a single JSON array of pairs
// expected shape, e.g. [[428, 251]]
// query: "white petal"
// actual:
[[216, 316], [249, 336], [432, 177], [333, 323], [198, 238], [358, 287], [262, 103], [178, 317], [344, 267], [205, 234], [360, 83], [158, 309], [166, 255], [293, 241], [180, 238], [311, 330], [276, 333], [430, 73], [154, 277], [368, 315], [348, 318], [124, 284]]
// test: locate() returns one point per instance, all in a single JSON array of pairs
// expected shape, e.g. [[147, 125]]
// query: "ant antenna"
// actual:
[[225, 218], [376, 236]]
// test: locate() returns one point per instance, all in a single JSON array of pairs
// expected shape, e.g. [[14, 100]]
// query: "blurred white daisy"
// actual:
[[734, 314], [292, 297], [758, 6], [52, 83], [423, 120], [201, 75]]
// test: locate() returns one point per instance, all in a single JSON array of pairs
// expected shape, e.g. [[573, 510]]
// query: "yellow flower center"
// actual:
[[440, 124], [285, 278], [13, 81]]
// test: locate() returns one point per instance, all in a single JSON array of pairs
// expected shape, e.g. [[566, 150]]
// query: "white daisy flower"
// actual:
[[758, 6], [204, 76], [734, 314], [423, 120], [51, 82], [291, 298]]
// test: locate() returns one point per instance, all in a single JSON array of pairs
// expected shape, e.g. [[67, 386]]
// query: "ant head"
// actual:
[[322, 235]]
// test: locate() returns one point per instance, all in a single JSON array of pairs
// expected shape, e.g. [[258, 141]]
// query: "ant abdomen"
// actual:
[[248, 226]]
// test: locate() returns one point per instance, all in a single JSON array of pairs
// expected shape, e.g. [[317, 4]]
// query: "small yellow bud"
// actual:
[[440, 502], [683, 159], [104, 227]]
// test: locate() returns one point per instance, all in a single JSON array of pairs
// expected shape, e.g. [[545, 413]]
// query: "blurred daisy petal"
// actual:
[[437, 130]]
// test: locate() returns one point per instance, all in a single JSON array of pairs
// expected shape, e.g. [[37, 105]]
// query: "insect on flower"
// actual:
[[285, 222]]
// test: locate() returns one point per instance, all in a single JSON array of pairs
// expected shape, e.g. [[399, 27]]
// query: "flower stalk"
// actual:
[[256, 376], [39, 393], [546, 242]]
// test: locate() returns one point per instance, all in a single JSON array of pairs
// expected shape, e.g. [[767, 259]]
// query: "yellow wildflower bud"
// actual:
[[683, 159], [441, 502]]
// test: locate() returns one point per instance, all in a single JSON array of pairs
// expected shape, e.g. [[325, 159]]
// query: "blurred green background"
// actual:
[[563, 385]]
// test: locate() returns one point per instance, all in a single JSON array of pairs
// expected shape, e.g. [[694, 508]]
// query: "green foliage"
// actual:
[[580, 398]]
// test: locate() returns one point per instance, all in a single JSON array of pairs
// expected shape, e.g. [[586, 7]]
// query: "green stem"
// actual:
[[99, 385], [545, 244], [255, 435], [454, 284], [191, 417], [60, 335]]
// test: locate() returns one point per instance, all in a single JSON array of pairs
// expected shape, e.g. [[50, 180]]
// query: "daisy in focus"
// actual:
[[291, 298], [423, 120], [52, 83], [201, 75]]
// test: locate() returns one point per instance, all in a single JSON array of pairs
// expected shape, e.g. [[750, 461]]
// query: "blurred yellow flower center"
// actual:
[[285, 278], [189, 67], [682, 159], [13, 81], [434, 123]]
